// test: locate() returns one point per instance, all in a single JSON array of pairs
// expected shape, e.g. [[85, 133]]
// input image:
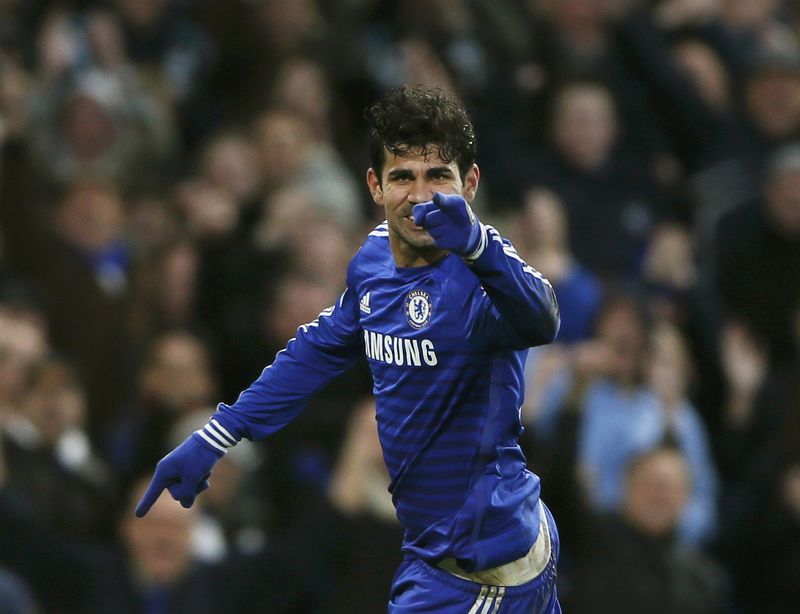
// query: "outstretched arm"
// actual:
[[320, 351]]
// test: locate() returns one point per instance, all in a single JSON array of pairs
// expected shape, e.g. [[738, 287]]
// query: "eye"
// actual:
[[400, 178]]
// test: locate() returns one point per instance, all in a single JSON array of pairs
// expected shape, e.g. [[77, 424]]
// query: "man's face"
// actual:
[[55, 406], [179, 377], [585, 125], [160, 544], [656, 493], [91, 218], [412, 179], [624, 334], [773, 100]]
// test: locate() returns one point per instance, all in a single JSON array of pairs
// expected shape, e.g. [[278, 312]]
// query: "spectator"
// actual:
[[152, 224], [751, 413], [15, 598], [669, 274], [778, 589], [577, 36], [669, 375], [176, 379], [758, 25], [290, 157], [706, 70], [229, 163], [630, 561], [612, 361], [722, 147], [359, 505], [609, 202], [89, 113], [629, 386], [76, 259], [34, 557], [49, 456], [210, 213], [290, 215], [758, 254], [23, 344], [301, 84], [544, 241], [166, 291], [175, 56], [233, 517], [761, 427], [256, 40], [764, 489], [156, 571], [621, 415]]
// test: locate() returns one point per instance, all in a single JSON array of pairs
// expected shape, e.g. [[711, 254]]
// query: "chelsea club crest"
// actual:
[[418, 308]]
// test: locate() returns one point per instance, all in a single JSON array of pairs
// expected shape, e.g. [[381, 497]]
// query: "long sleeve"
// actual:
[[524, 307], [699, 520], [320, 351]]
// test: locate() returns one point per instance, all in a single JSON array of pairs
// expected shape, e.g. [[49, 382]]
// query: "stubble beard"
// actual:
[[422, 241]]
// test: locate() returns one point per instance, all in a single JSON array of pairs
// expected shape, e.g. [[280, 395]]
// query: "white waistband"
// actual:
[[517, 572]]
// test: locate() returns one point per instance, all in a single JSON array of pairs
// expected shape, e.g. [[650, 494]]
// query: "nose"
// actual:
[[420, 192]]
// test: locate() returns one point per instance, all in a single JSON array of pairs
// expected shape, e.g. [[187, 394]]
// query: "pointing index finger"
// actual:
[[447, 202], [151, 495]]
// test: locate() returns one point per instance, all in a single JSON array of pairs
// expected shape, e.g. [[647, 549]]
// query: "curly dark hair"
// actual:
[[420, 120]]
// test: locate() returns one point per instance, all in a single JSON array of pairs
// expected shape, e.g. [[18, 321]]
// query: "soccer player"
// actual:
[[444, 310]]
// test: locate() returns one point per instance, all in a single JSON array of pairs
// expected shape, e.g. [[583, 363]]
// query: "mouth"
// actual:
[[410, 219]]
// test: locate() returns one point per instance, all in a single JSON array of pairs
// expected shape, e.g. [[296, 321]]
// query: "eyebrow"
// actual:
[[400, 173], [403, 173], [439, 170]]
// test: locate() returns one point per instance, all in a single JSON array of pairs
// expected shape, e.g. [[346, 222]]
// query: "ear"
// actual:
[[471, 180], [374, 185]]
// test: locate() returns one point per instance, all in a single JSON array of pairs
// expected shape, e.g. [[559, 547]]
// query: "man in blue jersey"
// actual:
[[444, 310]]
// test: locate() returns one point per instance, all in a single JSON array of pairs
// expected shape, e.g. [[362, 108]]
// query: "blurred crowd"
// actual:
[[181, 186]]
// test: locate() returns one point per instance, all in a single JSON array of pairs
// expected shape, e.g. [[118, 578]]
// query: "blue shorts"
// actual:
[[419, 587]]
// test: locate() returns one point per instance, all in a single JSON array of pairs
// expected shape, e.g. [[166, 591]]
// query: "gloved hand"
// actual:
[[184, 472], [452, 224]]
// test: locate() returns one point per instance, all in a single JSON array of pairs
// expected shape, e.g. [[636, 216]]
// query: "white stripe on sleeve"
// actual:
[[211, 441]]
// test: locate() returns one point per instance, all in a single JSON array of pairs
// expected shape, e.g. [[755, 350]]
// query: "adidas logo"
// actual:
[[364, 304]]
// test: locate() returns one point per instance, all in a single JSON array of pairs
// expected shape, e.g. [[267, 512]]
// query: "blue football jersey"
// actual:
[[446, 345]]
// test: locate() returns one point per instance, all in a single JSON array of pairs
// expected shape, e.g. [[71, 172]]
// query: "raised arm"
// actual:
[[697, 131], [524, 311]]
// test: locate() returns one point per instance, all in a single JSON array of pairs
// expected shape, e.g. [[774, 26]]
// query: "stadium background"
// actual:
[[181, 186]]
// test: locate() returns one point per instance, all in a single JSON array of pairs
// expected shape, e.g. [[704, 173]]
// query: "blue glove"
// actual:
[[184, 472], [452, 224]]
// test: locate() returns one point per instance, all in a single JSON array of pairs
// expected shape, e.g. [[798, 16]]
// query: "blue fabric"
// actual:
[[620, 424], [157, 600], [450, 221], [419, 587], [580, 296], [15, 598], [446, 345], [551, 397], [184, 472]]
